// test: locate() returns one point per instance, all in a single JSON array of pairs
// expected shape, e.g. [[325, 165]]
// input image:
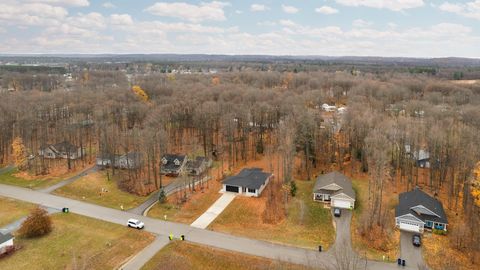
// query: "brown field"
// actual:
[[12, 210], [186, 256]]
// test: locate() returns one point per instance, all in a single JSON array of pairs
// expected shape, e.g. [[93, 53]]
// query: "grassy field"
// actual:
[[11, 177], [12, 210], [308, 223], [78, 242], [89, 189], [185, 256], [360, 244], [188, 212]]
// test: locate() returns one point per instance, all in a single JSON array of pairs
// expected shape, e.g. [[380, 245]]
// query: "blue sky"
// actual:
[[413, 28]]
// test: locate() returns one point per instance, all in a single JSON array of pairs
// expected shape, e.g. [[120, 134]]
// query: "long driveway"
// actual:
[[265, 249], [408, 252], [69, 180]]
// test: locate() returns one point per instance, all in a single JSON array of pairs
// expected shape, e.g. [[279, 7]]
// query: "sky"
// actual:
[[392, 28]]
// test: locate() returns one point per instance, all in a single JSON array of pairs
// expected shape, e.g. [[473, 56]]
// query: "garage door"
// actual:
[[231, 188], [411, 227], [341, 203]]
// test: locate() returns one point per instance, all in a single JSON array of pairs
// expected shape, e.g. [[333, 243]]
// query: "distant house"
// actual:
[[336, 189], [421, 157], [198, 166], [173, 165], [65, 150], [417, 210], [6, 243], [131, 160], [329, 108], [249, 182]]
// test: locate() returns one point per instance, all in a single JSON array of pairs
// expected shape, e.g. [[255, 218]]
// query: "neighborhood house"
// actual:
[[131, 160], [173, 165], [249, 182], [6, 243], [421, 157], [64, 150], [336, 189], [417, 210], [198, 166]]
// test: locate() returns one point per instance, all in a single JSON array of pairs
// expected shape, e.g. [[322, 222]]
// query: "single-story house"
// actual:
[[173, 165], [64, 150], [249, 182], [334, 188], [131, 160], [329, 108], [105, 159], [198, 166], [6, 242], [417, 210]]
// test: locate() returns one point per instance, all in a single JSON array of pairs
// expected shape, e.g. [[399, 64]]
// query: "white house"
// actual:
[[6, 242], [329, 108], [64, 150], [336, 189], [249, 182]]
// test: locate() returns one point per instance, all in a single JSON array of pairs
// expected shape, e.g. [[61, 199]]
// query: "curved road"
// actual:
[[253, 247]]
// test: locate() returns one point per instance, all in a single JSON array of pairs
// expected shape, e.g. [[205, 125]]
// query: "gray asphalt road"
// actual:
[[146, 254], [69, 180], [265, 249], [408, 252]]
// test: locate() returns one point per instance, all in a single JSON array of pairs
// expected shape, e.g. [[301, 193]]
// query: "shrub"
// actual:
[[293, 188], [439, 232], [38, 223], [162, 197]]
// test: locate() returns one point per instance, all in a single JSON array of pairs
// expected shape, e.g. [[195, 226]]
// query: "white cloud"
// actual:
[[289, 9], [108, 5], [469, 9], [258, 7], [326, 10], [266, 23], [238, 11], [212, 11], [361, 23], [31, 14], [395, 5], [121, 19]]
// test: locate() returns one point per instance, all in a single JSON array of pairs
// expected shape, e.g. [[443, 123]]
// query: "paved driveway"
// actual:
[[212, 213], [408, 252], [69, 180]]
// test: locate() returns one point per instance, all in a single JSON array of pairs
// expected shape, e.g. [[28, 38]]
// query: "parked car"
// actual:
[[135, 223], [337, 212], [416, 240]]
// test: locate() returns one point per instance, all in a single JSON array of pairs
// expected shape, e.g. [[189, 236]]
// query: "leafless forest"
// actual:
[[236, 115]]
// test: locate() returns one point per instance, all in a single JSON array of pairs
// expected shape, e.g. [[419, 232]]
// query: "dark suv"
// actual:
[[337, 212], [416, 240]]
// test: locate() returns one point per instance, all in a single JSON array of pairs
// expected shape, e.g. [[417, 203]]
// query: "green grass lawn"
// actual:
[[78, 242], [308, 223], [88, 188], [12, 210], [185, 256], [9, 178]]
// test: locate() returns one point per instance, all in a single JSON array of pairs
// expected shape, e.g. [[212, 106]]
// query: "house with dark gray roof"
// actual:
[[198, 165], [336, 189], [417, 211], [249, 182], [421, 157], [6, 242], [173, 164]]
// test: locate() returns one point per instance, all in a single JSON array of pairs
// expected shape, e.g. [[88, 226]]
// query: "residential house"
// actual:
[[131, 160], [329, 108], [173, 165], [417, 211], [198, 166], [65, 150], [336, 189], [421, 157], [249, 182], [6, 243]]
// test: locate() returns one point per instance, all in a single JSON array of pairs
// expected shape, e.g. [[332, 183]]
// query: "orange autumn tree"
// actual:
[[476, 185], [19, 152], [140, 93]]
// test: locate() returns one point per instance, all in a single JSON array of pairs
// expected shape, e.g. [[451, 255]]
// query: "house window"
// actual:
[[251, 190]]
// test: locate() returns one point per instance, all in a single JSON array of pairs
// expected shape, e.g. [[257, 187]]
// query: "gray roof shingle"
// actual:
[[409, 199], [335, 178], [5, 237], [252, 178]]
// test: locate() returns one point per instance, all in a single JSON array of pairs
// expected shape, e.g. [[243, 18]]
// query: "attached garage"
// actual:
[[342, 203], [410, 227], [232, 188]]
